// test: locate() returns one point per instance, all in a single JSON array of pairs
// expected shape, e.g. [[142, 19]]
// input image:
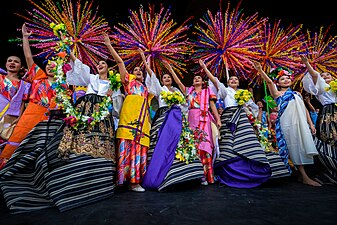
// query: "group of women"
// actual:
[[55, 163]]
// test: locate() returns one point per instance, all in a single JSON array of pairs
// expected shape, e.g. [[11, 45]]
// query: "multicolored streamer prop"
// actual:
[[280, 48], [227, 41], [157, 35], [82, 24], [321, 50]]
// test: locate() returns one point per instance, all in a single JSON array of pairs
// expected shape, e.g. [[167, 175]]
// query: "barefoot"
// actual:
[[310, 182]]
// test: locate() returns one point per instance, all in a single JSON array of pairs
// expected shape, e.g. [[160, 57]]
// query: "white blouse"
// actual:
[[318, 90], [156, 88], [227, 94], [80, 75]]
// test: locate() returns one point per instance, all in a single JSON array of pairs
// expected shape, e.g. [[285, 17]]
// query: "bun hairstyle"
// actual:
[[276, 73]]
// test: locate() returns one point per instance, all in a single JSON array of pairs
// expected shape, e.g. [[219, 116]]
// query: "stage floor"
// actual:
[[282, 201]]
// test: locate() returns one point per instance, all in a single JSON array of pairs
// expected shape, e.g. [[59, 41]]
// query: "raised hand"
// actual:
[[304, 59], [168, 66], [25, 31], [202, 64], [257, 66], [106, 39]]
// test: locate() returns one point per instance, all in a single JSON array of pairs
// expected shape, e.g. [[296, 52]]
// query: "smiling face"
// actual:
[[284, 81], [197, 80], [49, 68], [139, 73], [13, 64], [233, 82], [167, 80], [327, 77], [102, 67], [259, 104]]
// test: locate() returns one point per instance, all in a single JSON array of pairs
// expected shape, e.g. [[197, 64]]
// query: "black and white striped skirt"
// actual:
[[35, 178], [179, 172]]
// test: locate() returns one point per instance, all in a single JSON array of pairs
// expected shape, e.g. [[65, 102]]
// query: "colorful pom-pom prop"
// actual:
[[157, 35], [82, 24], [227, 41]]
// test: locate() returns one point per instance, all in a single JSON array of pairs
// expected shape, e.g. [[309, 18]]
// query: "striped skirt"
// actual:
[[242, 161], [327, 160], [36, 178], [178, 172]]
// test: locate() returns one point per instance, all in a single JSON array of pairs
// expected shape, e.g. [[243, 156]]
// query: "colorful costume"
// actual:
[[133, 132], [242, 162], [326, 127], [293, 135], [55, 176], [40, 101], [164, 170], [12, 93], [200, 120]]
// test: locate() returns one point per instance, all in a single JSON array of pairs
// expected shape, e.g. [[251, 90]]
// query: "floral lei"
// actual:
[[260, 131], [186, 150], [75, 118]]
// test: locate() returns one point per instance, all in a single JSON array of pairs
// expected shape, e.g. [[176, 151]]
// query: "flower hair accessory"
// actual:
[[276, 73]]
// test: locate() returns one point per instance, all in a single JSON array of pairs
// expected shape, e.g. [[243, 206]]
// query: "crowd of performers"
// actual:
[[45, 162]]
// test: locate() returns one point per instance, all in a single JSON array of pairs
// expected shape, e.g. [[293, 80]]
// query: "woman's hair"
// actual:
[[276, 73]]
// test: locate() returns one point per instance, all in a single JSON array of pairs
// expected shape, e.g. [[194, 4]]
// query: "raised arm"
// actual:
[[117, 58], [273, 91], [147, 66], [175, 77], [312, 72], [209, 74], [26, 47]]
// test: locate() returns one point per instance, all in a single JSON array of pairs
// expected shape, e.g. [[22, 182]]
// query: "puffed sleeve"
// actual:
[[310, 87], [154, 87], [79, 74], [117, 102], [26, 91], [222, 90]]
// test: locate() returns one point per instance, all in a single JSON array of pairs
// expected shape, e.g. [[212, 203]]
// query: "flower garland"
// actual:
[[74, 118], [186, 150], [260, 130], [172, 98], [242, 96]]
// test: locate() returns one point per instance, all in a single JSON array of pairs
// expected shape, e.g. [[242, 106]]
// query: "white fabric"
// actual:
[[319, 89], [117, 101], [156, 88], [297, 134], [227, 94], [80, 75]]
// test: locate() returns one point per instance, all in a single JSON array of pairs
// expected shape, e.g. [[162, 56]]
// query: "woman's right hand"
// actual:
[[106, 39], [25, 32], [304, 59]]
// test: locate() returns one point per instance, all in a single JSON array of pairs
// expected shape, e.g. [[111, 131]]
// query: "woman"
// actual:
[[243, 162], [66, 163], [164, 169], [41, 98], [133, 132], [13, 93], [202, 113], [326, 124], [294, 137]]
